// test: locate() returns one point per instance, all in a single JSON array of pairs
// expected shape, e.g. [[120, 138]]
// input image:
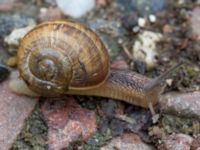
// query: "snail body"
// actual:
[[63, 57]]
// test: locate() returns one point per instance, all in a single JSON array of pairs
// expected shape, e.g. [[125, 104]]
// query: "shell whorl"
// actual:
[[57, 56]]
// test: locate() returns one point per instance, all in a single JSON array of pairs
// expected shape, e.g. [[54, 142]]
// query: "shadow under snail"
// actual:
[[63, 57]]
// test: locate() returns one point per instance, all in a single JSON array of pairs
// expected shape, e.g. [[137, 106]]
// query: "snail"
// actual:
[[63, 57]]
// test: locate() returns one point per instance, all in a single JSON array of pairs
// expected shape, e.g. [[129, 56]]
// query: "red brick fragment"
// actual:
[[67, 122]]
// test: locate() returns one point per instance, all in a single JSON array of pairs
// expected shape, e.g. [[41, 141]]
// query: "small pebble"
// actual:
[[177, 142], [141, 22], [180, 2], [130, 20], [155, 118], [169, 82], [195, 22], [76, 8], [136, 29], [196, 143], [152, 18], [181, 104], [127, 142], [16, 35], [102, 3], [157, 131], [167, 28], [144, 48], [50, 14], [120, 41], [43, 10]]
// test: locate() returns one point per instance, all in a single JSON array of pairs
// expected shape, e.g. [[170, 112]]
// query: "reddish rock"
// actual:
[[50, 14], [102, 3], [196, 143], [119, 64], [14, 110], [167, 29], [7, 5], [185, 104], [67, 122], [127, 142], [10, 5], [177, 142]]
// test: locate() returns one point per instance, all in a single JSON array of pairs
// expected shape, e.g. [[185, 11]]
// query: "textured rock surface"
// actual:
[[186, 104], [145, 50], [177, 142], [50, 14], [67, 122], [127, 142], [14, 110], [195, 22]]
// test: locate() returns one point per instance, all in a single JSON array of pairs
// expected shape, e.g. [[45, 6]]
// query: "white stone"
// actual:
[[152, 18], [141, 22], [43, 10], [180, 2], [144, 48], [76, 8], [169, 82], [136, 29], [16, 35]]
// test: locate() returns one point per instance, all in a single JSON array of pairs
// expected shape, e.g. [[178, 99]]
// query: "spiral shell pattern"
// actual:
[[61, 55]]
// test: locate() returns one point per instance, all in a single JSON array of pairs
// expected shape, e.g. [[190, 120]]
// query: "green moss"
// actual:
[[191, 72], [94, 143], [34, 134], [180, 125]]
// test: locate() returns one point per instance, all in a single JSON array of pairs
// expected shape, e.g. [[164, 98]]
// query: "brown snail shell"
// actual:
[[57, 56]]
